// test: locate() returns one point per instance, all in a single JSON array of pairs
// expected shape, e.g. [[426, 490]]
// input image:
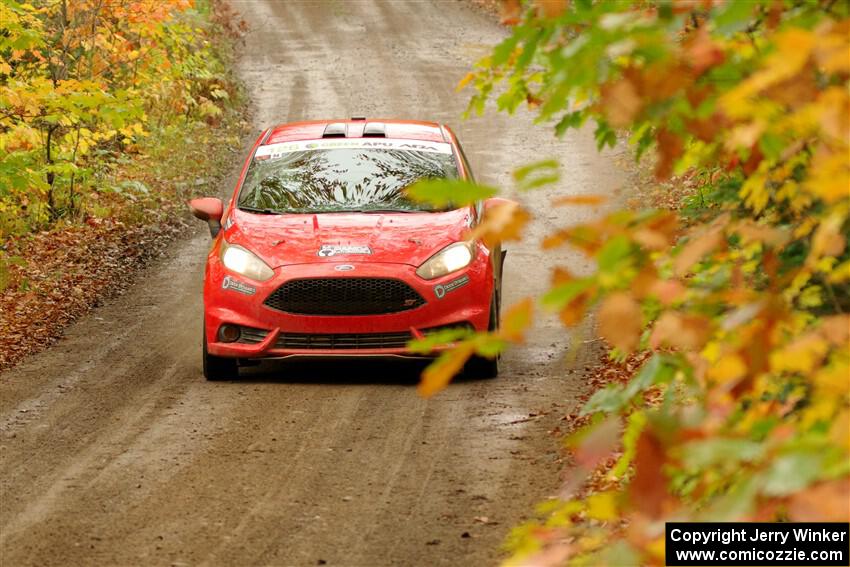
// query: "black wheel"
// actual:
[[218, 367], [481, 366]]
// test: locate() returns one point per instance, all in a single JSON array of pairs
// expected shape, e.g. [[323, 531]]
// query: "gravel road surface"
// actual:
[[115, 451]]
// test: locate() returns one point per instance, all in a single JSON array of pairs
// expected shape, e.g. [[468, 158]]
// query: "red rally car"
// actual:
[[319, 253]]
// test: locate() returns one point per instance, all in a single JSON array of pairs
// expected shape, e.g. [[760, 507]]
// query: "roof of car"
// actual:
[[353, 128]]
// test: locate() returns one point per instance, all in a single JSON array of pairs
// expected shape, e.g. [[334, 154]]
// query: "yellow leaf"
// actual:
[[730, 367], [465, 81], [833, 380], [829, 177], [602, 506], [841, 273], [754, 190], [840, 431], [793, 48], [657, 547], [802, 355]]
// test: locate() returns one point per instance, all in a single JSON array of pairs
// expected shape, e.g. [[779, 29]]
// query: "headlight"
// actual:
[[239, 260], [450, 259]]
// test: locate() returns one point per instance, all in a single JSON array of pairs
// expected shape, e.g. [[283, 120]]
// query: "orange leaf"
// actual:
[[648, 489], [670, 149], [501, 222], [592, 447], [510, 12], [579, 200], [702, 52], [836, 329], [561, 275], [650, 239], [752, 232], [621, 321], [696, 248], [687, 332], [621, 103], [438, 375], [551, 8], [517, 319], [669, 291], [645, 280], [825, 502], [573, 313]]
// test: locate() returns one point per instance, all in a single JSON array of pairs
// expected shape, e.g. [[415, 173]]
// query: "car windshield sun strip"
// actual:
[[326, 211]]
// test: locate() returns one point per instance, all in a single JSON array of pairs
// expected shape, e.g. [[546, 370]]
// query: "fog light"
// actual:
[[228, 333]]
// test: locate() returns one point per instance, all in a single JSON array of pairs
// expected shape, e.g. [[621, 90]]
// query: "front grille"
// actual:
[[344, 296], [337, 341]]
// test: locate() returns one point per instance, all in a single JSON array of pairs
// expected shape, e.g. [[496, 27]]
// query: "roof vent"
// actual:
[[375, 130], [334, 130], [358, 118]]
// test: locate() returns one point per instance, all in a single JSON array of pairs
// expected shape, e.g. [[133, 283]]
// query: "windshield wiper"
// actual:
[[259, 211]]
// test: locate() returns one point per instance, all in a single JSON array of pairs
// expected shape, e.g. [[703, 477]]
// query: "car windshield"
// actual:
[[327, 176]]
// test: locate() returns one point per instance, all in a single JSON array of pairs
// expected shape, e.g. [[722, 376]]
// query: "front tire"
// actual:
[[481, 367], [217, 367]]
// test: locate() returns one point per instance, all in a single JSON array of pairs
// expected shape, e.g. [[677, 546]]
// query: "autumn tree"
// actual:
[[738, 294], [81, 83]]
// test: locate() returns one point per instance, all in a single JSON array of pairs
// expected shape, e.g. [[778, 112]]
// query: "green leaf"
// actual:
[[446, 192], [711, 452], [733, 17], [792, 472], [557, 297], [503, 51], [616, 252], [569, 120], [634, 426], [537, 174], [438, 338], [660, 369]]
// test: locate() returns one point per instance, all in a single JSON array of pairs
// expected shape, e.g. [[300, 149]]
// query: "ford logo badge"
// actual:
[[344, 268]]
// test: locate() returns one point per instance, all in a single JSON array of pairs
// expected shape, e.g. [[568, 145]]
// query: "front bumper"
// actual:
[[270, 333]]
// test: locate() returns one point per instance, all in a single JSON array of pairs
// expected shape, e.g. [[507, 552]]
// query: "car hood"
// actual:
[[401, 238]]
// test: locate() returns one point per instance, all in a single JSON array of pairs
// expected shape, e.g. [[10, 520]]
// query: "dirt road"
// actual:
[[115, 451]]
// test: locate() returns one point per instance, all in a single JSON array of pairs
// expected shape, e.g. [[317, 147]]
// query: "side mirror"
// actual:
[[208, 209]]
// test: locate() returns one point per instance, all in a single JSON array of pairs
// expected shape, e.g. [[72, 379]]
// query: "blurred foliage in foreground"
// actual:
[[741, 412], [86, 86]]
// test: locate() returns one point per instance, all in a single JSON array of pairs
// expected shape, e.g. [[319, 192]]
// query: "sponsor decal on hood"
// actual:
[[327, 250]]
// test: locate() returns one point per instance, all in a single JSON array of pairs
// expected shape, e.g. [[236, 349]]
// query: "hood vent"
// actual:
[[334, 130], [375, 130]]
